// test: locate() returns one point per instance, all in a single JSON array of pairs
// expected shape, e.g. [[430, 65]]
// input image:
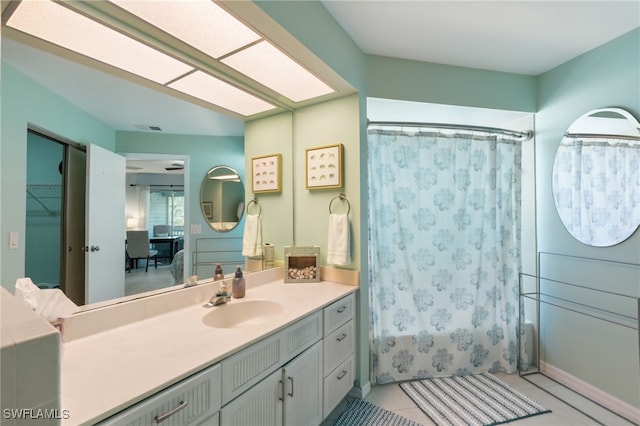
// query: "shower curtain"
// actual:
[[444, 253]]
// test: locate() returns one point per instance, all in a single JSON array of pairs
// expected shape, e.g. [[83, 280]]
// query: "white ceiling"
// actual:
[[522, 37], [526, 37]]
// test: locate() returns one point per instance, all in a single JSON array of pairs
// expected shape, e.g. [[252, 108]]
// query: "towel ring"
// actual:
[[254, 201], [342, 197]]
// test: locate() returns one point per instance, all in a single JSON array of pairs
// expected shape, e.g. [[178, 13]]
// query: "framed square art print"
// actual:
[[266, 173], [324, 167]]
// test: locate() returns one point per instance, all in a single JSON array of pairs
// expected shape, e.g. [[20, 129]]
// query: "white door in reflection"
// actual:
[[105, 222]]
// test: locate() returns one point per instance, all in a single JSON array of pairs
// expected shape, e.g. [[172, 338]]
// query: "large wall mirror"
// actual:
[[596, 177], [36, 65], [222, 198]]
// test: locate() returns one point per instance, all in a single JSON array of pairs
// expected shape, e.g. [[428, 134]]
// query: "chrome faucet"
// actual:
[[222, 296], [217, 299]]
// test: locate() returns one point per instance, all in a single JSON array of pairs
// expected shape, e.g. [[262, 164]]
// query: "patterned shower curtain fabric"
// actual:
[[444, 254]]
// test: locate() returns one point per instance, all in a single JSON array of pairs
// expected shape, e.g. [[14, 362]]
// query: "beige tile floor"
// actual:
[[392, 398]]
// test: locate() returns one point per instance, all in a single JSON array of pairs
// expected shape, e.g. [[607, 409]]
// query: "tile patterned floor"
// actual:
[[392, 398]]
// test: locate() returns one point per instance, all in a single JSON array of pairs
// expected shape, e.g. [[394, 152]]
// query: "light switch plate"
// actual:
[[196, 229], [13, 240]]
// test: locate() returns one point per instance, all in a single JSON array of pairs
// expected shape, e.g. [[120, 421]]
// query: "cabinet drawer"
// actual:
[[191, 401], [338, 313], [338, 346], [302, 335], [337, 384], [245, 368]]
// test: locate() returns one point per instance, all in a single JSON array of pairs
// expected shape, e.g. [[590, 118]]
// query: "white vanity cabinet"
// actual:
[[281, 377], [292, 377], [339, 345], [194, 401], [290, 396]]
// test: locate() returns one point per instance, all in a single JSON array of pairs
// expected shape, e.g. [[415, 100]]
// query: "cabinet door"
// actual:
[[261, 405], [303, 388]]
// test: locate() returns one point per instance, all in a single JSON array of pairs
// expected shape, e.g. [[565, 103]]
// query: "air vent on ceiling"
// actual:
[[147, 127]]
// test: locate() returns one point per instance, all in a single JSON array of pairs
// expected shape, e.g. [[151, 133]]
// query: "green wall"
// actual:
[[444, 84], [27, 103], [267, 136], [608, 76]]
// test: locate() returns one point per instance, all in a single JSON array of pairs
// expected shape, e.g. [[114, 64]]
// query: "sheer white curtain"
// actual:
[[444, 254]]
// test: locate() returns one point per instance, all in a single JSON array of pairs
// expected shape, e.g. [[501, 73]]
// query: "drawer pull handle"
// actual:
[[341, 337], [344, 373], [342, 308], [165, 416], [291, 393], [281, 398]]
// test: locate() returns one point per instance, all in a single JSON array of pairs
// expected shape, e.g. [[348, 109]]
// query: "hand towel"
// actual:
[[339, 250], [252, 239]]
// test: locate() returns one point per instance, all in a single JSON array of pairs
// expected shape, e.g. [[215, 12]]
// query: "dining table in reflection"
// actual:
[[172, 241]]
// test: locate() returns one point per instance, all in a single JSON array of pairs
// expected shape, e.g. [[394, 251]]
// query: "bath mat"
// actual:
[[360, 413], [480, 399]]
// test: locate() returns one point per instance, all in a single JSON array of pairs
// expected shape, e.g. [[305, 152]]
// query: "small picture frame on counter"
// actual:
[[301, 264]]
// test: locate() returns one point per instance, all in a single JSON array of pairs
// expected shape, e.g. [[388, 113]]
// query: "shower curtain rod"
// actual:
[[526, 135], [601, 136]]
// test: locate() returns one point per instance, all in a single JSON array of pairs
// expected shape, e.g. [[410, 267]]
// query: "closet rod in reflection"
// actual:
[[523, 136]]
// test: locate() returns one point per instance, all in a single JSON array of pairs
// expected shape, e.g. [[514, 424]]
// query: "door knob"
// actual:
[[95, 248]]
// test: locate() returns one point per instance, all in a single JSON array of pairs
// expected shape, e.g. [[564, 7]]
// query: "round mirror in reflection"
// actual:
[[222, 198], [596, 177]]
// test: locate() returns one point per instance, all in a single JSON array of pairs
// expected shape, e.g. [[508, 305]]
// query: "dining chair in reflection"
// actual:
[[138, 247]]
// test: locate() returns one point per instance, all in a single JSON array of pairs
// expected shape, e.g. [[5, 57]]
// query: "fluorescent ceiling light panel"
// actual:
[[268, 65], [200, 23], [59, 25], [233, 178], [215, 91]]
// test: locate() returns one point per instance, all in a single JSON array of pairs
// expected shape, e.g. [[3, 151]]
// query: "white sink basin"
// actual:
[[242, 313]]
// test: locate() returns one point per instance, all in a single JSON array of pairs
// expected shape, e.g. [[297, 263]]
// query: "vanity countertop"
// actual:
[[106, 372]]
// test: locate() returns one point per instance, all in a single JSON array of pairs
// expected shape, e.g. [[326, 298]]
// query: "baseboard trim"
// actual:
[[360, 392], [607, 400]]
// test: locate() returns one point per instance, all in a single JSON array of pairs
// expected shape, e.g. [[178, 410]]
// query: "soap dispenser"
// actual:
[[238, 286], [218, 274]]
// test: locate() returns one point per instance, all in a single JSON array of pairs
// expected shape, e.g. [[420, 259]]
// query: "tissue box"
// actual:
[[301, 264]]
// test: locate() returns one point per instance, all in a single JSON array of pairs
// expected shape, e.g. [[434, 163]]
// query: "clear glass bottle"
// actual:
[[238, 287]]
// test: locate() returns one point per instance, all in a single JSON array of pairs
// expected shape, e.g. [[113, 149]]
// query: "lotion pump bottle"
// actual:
[[218, 274], [238, 286]]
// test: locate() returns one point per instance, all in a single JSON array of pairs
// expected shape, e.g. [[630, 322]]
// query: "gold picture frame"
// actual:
[[266, 173], [207, 209], [324, 167]]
